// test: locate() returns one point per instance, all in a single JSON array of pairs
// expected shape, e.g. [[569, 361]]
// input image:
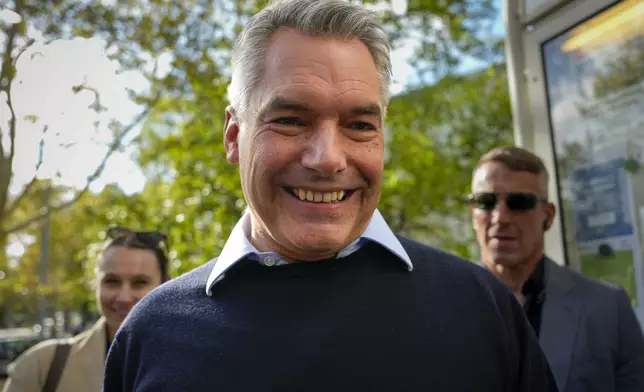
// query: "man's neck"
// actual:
[[516, 276]]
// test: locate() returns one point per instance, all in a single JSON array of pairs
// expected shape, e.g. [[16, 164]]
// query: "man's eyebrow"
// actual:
[[282, 104], [366, 110], [277, 104]]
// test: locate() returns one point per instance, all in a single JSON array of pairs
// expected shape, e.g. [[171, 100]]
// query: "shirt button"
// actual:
[[269, 261]]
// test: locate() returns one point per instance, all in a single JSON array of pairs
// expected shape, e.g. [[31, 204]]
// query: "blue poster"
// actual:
[[602, 201]]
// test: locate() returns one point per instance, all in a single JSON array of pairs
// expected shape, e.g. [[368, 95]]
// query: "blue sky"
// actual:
[[498, 30]]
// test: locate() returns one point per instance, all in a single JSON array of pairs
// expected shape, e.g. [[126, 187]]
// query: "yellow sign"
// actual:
[[620, 23]]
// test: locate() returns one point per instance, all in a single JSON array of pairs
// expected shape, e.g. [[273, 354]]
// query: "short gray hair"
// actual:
[[317, 18]]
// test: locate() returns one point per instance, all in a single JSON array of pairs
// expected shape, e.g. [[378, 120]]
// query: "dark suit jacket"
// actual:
[[590, 334]]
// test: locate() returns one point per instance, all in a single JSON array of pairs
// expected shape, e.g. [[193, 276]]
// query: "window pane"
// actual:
[[595, 88]]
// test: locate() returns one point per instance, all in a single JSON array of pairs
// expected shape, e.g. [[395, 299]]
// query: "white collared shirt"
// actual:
[[238, 247]]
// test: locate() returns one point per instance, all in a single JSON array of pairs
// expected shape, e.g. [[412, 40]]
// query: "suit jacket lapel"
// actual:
[[559, 321], [560, 317]]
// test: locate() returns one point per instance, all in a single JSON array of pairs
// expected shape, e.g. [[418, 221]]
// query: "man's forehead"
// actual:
[[494, 176], [288, 45], [293, 58]]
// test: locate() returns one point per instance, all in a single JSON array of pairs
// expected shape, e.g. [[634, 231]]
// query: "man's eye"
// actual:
[[288, 121], [362, 126]]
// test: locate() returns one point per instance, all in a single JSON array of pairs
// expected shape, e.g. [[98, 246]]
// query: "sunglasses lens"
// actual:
[[515, 201], [521, 201], [484, 201]]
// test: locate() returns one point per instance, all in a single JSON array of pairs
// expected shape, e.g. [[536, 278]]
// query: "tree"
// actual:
[[186, 34], [437, 134], [56, 20], [75, 237], [622, 71]]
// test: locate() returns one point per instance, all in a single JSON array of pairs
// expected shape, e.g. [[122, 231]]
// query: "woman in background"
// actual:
[[131, 265]]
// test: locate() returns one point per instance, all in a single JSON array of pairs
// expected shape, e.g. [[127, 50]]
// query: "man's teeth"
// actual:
[[318, 197]]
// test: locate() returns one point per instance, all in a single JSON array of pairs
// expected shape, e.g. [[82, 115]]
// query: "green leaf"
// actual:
[[31, 118]]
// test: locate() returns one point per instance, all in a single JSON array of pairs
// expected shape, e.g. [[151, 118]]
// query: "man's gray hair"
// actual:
[[317, 18]]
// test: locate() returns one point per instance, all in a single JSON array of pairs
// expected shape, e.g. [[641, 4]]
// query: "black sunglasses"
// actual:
[[151, 239], [515, 201]]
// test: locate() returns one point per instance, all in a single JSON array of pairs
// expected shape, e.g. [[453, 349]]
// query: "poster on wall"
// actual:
[[604, 224], [602, 201], [595, 90]]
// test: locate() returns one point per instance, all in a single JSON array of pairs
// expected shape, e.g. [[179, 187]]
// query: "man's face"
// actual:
[[509, 233], [310, 148]]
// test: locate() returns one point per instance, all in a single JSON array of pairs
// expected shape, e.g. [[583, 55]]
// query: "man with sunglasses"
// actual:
[[587, 329]]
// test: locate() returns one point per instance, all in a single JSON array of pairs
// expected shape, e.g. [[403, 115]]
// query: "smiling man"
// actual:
[[312, 291], [311, 154]]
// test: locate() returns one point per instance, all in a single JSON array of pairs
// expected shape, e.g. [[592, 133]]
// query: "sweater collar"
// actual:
[[238, 247]]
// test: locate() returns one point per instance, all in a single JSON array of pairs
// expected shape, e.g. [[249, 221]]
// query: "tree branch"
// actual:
[[114, 146], [12, 130], [7, 61], [27, 188], [6, 76], [22, 50]]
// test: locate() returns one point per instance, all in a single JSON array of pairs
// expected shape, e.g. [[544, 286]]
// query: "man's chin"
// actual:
[[318, 238], [507, 261], [318, 246]]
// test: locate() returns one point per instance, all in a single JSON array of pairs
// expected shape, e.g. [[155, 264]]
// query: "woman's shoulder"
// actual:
[[29, 371], [35, 358], [43, 352], [44, 348]]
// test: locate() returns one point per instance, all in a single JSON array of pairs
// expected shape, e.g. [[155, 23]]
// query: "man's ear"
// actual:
[[231, 136], [551, 212]]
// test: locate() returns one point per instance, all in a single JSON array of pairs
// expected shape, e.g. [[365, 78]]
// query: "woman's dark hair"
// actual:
[[149, 240]]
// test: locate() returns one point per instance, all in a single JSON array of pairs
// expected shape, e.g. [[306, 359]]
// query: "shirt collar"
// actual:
[[537, 281], [238, 246]]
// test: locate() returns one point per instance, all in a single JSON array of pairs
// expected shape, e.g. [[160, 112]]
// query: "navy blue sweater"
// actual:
[[361, 323]]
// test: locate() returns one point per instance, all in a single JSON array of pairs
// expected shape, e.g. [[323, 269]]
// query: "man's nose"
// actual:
[[324, 152], [501, 212]]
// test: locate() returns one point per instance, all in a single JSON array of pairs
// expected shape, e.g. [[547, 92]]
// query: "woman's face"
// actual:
[[124, 276]]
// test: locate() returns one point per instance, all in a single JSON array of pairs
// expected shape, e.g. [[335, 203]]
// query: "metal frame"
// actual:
[[528, 90], [528, 94], [533, 10]]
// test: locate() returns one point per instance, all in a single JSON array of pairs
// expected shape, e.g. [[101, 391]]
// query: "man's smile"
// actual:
[[315, 196]]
